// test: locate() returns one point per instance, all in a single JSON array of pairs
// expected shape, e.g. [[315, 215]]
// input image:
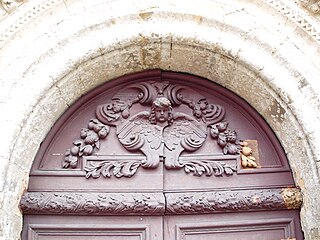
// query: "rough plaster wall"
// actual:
[[59, 50]]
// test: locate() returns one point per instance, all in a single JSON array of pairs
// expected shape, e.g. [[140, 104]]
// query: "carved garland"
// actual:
[[90, 139], [92, 203], [160, 133], [227, 201], [75, 203]]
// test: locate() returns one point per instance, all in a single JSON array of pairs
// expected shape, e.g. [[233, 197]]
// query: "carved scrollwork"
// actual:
[[92, 203], [201, 109], [157, 130], [118, 111]]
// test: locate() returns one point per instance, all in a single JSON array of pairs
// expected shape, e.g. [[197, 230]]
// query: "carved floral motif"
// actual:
[[159, 131], [92, 203]]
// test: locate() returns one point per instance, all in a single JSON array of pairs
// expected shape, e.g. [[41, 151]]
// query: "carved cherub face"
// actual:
[[161, 110], [162, 114]]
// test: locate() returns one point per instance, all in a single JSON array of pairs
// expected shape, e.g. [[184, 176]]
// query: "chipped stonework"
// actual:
[[311, 5], [277, 112]]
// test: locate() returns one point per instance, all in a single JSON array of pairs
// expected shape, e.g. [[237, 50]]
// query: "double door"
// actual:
[[227, 226], [161, 155]]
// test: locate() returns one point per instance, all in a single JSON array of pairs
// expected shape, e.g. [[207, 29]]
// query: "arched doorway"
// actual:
[[161, 155]]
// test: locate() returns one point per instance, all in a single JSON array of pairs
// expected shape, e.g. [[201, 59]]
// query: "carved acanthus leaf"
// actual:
[[200, 167], [119, 168]]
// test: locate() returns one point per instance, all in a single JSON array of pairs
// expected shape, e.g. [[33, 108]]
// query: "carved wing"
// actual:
[[185, 131], [137, 133], [184, 134]]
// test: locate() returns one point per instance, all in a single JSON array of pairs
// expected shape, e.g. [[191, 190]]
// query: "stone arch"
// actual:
[[53, 59]]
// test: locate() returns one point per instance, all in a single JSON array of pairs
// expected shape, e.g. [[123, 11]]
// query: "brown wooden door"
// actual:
[[161, 155]]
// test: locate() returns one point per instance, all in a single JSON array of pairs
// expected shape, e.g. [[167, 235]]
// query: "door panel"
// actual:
[[97, 228], [229, 226]]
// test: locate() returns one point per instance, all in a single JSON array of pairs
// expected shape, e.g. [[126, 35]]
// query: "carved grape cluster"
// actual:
[[90, 139], [226, 138]]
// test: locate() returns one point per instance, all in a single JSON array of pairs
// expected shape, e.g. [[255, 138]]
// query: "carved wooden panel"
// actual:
[[134, 158], [264, 230], [77, 232], [270, 226], [97, 228], [173, 128]]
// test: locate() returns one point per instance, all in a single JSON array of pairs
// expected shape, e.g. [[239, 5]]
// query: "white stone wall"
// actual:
[[54, 51]]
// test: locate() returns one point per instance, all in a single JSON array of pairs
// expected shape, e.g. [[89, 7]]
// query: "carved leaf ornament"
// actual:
[[96, 203], [160, 132], [108, 168]]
